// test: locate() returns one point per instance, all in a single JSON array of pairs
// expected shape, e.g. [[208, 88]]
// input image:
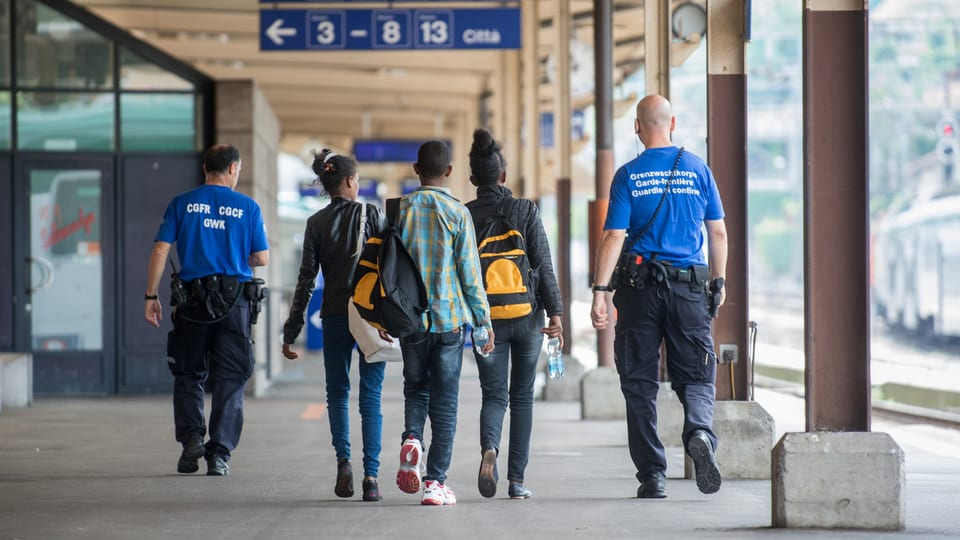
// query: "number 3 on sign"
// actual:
[[327, 30], [326, 33]]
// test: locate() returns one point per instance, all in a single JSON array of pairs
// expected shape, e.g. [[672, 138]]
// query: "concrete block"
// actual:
[[850, 480], [669, 416], [600, 395], [745, 431], [16, 379], [568, 387]]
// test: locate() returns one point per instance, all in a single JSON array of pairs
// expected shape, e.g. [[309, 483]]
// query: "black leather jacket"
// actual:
[[329, 242], [526, 216]]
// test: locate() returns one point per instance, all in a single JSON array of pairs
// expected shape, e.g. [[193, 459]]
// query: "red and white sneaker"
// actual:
[[408, 477], [437, 494]]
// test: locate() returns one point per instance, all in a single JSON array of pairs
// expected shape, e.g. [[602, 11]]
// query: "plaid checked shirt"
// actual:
[[438, 232]]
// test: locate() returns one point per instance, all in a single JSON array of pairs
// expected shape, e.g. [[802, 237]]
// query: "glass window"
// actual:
[[55, 51], [65, 121], [5, 108], [67, 262], [4, 43], [157, 122], [139, 74]]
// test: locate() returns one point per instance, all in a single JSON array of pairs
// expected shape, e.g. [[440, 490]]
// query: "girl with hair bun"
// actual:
[[330, 241], [517, 341]]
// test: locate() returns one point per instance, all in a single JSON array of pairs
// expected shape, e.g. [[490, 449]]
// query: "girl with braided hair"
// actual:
[[330, 243]]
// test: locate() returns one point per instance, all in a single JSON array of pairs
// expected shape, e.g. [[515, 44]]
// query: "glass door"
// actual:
[[68, 253]]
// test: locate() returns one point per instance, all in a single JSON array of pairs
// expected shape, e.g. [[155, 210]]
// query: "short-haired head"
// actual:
[[654, 111], [333, 169], [433, 159], [218, 158], [486, 159]]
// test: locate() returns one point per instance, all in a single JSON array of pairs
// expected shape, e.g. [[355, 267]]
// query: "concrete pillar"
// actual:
[[244, 119], [600, 395], [16, 380]]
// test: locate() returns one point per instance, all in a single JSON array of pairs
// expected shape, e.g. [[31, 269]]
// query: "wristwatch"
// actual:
[[601, 288], [150, 297]]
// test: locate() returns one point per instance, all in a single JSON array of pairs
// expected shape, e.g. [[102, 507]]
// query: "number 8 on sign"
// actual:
[[392, 29]]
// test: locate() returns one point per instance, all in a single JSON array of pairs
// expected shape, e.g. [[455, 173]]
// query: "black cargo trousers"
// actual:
[[671, 309], [217, 354]]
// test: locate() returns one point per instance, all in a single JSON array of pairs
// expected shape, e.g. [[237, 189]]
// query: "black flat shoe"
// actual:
[[488, 476], [344, 487], [217, 466], [193, 450], [704, 459], [653, 487]]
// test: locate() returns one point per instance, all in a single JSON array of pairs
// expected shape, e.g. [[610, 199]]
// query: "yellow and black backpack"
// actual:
[[508, 278], [388, 289]]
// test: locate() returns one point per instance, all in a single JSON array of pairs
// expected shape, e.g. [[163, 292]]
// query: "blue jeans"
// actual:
[[646, 317], [518, 344], [338, 345], [431, 387]]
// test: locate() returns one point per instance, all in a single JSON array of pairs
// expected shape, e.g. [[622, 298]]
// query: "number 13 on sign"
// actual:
[[433, 28]]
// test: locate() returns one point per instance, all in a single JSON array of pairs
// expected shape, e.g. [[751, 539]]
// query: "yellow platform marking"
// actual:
[[314, 411]]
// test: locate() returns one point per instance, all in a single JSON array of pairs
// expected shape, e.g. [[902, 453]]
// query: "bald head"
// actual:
[[654, 121]]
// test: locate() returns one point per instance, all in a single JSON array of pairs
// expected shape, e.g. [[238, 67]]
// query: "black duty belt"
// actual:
[[688, 274]]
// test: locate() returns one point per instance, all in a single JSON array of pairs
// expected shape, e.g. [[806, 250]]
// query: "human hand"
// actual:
[[554, 328], [598, 312], [153, 312], [385, 336], [289, 353], [488, 348]]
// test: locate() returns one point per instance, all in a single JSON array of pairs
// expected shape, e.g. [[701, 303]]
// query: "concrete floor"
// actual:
[[105, 469]]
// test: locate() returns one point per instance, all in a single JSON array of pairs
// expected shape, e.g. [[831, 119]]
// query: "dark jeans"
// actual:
[[338, 347], [677, 316], [220, 356], [431, 387], [518, 344]]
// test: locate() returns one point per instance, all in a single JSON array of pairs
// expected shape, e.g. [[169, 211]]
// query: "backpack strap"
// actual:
[[393, 210], [362, 232]]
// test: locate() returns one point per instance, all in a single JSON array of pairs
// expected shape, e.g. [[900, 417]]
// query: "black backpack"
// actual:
[[388, 289], [508, 278]]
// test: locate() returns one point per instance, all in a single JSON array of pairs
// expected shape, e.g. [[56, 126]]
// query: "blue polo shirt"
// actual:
[[215, 230], [677, 235]]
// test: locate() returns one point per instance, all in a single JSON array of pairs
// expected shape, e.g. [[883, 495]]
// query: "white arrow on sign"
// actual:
[[277, 32]]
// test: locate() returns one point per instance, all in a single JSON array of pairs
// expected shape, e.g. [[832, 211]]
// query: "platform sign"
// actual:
[[402, 29]]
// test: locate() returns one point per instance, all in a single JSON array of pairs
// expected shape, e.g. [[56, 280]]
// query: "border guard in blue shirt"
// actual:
[[652, 252], [219, 235]]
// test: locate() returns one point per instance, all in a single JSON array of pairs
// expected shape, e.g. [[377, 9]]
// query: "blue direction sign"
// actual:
[[364, 29]]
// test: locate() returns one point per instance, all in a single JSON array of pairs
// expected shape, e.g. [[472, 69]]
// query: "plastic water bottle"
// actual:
[[554, 358], [480, 338]]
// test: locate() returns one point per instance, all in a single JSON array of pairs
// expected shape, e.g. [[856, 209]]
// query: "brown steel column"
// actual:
[[835, 215], [563, 258], [727, 143], [603, 84]]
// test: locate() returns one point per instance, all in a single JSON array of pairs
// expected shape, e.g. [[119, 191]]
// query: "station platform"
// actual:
[[105, 469]]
